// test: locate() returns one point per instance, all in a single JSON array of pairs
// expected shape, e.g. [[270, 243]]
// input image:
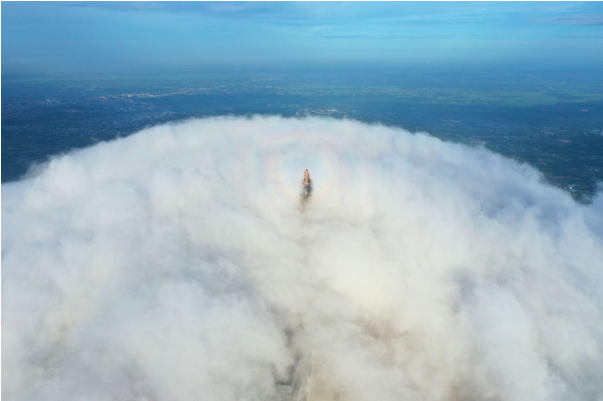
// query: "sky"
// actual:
[[77, 36]]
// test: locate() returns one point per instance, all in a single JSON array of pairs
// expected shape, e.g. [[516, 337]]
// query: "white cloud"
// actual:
[[177, 264]]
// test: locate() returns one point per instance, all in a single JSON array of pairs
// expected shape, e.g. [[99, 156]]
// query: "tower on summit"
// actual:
[[306, 186]]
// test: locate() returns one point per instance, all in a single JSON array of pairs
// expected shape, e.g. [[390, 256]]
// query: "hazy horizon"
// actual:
[[93, 37]]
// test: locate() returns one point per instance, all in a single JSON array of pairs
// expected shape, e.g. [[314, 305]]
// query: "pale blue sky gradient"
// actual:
[[98, 37]]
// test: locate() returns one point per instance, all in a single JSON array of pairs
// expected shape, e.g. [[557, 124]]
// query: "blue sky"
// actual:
[[92, 37]]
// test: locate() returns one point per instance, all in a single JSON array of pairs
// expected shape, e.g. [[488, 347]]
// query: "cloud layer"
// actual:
[[178, 264]]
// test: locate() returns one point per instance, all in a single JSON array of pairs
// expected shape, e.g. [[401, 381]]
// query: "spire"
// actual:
[[307, 186], [306, 178]]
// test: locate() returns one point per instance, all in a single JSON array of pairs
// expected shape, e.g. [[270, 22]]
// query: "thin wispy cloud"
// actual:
[[581, 19], [147, 33], [381, 36]]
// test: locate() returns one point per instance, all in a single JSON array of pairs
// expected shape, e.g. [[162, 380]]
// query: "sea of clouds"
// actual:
[[179, 264]]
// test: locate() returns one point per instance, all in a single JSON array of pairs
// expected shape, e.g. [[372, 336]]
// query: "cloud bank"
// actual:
[[178, 264]]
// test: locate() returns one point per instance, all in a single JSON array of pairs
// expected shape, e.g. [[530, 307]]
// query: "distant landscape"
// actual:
[[553, 121]]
